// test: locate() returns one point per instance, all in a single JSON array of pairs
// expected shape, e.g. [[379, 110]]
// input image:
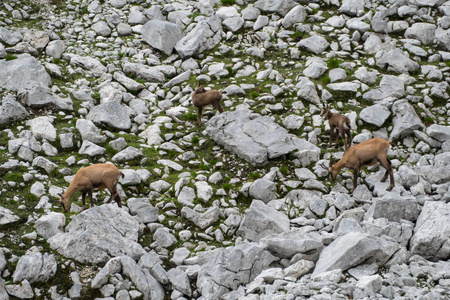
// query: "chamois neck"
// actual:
[[72, 189], [329, 114], [339, 165]]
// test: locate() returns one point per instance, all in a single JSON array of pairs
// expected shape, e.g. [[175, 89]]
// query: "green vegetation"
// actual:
[[228, 2]]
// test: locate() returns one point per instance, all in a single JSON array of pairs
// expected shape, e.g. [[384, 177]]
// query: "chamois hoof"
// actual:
[[389, 188]]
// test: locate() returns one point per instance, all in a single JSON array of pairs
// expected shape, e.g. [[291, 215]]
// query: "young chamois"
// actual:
[[98, 176], [367, 153], [202, 98], [340, 124]]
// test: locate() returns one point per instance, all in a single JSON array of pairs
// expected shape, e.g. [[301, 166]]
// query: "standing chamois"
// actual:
[[367, 153], [202, 98], [340, 124], [98, 176]]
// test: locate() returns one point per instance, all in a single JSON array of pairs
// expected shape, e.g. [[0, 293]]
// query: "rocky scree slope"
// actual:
[[240, 207]]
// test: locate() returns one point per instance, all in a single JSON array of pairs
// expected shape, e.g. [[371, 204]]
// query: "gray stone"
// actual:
[[439, 132], [205, 35], [293, 122], [337, 74], [163, 238], [7, 216], [11, 111], [102, 28], [98, 229], [55, 48], [22, 291], [227, 269], [352, 8], [151, 262], [127, 154], [316, 44], [23, 71], [44, 163], [261, 22], [161, 35], [290, 243], [431, 239], [204, 190], [390, 86], [362, 74], [376, 114], [254, 139], [233, 24], [250, 13], [151, 74], [111, 114], [143, 210], [90, 64], [50, 224], [315, 67], [42, 128], [127, 82], [178, 79], [424, 32], [89, 131], [91, 149], [202, 220], [36, 95], [307, 89], [10, 37], [145, 282], [296, 15], [405, 119], [394, 209], [281, 7], [179, 281], [75, 290], [353, 249], [35, 267], [262, 220], [263, 189], [395, 60]]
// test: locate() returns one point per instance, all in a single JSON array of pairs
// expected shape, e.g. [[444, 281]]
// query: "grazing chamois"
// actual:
[[367, 153], [202, 98], [339, 123], [98, 176]]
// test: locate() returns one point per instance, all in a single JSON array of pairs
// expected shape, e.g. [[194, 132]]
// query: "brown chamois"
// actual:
[[340, 124], [98, 176], [202, 98], [367, 153]]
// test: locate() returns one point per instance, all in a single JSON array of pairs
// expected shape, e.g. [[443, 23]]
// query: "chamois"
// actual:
[[202, 98], [339, 123], [367, 153], [98, 176]]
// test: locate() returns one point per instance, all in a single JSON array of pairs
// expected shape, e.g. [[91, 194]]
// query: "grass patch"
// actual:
[[228, 2]]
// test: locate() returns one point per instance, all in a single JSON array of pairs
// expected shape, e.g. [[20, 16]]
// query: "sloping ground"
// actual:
[[239, 208]]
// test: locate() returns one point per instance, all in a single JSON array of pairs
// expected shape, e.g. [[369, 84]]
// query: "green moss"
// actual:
[[10, 56], [228, 2]]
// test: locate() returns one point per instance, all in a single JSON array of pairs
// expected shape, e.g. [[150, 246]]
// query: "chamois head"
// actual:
[[324, 110], [200, 89], [65, 202]]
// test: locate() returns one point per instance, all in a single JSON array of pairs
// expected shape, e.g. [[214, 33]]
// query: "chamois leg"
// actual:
[[343, 136], [386, 163], [92, 198], [355, 179], [349, 134], [217, 106], [199, 115], [83, 199], [331, 136], [114, 195]]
